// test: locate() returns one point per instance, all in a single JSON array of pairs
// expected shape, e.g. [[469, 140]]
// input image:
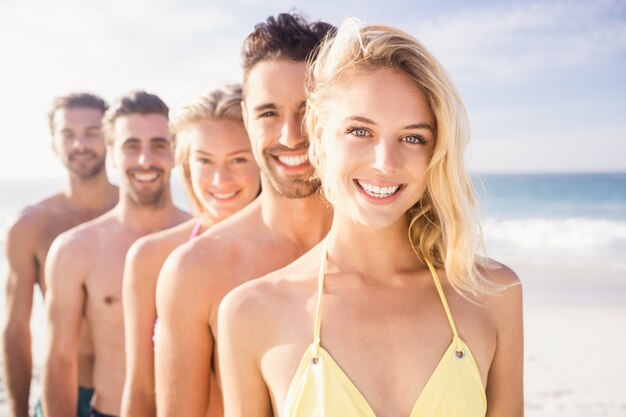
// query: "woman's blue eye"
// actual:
[[356, 131], [413, 139]]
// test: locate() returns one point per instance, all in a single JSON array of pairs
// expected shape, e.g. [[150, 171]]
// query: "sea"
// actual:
[[557, 220], [533, 219]]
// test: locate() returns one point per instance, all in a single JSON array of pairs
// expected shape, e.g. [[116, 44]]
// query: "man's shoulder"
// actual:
[[86, 235], [272, 289], [269, 286], [73, 253], [253, 296], [32, 217], [51, 206], [254, 303], [37, 218]]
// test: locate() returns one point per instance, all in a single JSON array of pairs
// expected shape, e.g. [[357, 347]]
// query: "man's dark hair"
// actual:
[[135, 102], [73, 101], [288, 36]]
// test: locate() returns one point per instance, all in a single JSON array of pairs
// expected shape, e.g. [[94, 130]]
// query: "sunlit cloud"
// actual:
[[506, 43]]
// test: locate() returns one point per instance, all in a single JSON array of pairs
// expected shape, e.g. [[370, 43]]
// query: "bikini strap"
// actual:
[[444, 301], [318, 308], [196, 229]]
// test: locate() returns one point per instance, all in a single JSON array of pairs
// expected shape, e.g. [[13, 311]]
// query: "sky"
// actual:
[[544, 82]]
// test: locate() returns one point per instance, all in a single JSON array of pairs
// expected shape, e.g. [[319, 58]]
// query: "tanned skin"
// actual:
[[85, 267], [78, 141], [382, 319], [221, 164], [287, 219]]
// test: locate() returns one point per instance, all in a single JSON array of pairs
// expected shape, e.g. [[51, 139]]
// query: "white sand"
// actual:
[[575, 322]]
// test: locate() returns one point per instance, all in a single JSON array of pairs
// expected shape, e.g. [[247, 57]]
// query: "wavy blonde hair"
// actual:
[[443, 227], [222, 103]]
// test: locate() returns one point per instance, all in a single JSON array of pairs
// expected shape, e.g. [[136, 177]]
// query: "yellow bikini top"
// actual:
[[320, 388]]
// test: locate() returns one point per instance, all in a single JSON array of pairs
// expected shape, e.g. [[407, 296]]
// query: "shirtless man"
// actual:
[[75, 123], [287, 219], [86, 265]]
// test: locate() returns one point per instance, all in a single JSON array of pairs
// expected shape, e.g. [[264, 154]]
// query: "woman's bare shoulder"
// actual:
[[506, 302]]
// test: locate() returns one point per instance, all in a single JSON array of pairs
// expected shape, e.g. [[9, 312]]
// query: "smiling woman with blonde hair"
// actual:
[[396, 313]]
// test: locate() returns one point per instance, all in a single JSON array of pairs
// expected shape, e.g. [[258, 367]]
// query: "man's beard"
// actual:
[[146, 198], [86, 169], [290, 186]]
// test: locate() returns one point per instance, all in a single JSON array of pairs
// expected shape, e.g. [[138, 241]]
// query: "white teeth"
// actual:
[[376, 191], [294, 161], [146, 176], [223, 196]]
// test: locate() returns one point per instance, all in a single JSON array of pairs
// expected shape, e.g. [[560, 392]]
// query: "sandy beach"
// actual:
[[575, 342], [575, 361]]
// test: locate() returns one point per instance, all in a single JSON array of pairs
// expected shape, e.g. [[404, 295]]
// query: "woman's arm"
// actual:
[[505, 385], [140, 276], [240, 331], [184, 344]]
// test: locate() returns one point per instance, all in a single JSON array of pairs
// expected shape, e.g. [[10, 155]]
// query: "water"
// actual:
[[558, 219], [592, 196]]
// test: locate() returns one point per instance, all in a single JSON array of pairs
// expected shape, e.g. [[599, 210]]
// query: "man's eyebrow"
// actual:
[[93, 127], [265, 106], [159, 139], [130, 141]]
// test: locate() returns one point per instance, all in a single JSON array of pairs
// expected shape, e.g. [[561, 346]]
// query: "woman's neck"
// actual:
[[373, 253]]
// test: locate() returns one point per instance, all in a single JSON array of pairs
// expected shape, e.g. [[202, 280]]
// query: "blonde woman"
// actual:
[[220, 177], [395, 313]]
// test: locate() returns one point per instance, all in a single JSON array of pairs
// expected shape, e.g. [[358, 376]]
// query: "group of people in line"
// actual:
[[331, 265]]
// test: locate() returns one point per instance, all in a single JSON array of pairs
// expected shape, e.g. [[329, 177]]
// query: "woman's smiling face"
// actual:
[[377, 137], [224, 174]]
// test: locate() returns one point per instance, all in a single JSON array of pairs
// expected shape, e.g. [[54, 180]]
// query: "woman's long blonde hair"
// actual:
[[222, 103], [443, 227]]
